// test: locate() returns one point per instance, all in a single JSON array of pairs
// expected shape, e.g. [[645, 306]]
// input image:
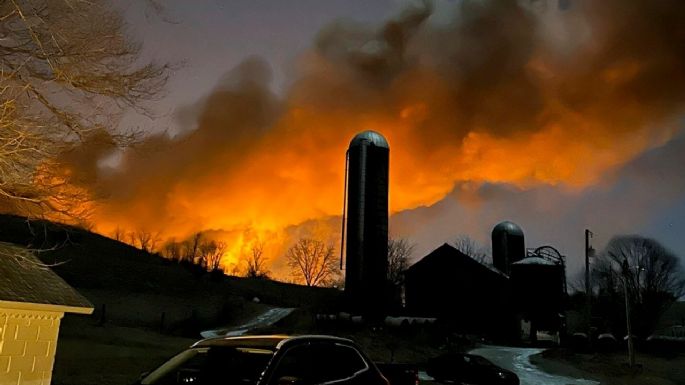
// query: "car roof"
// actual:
[[270, 342], [456, 355]]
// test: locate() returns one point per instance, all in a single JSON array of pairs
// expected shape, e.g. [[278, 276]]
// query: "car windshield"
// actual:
[[210, 366]]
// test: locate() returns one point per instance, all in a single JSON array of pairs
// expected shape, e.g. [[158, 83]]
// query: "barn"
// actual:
[[467, 295]]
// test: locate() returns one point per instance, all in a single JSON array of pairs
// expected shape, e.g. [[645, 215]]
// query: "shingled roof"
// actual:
[[25, 279]]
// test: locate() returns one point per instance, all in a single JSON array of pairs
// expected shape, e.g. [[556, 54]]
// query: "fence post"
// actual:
[[103, 315], [161, 321]]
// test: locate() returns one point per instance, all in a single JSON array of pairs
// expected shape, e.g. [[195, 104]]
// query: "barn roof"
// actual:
[[448, 253], [24, 279]]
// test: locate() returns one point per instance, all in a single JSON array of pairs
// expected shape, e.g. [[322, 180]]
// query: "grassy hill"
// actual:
[[135, 288], [147, 307]]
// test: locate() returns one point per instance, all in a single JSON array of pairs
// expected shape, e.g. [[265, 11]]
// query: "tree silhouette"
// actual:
[[172, 250], [256, 262], [210, 254], [118, 234], [146, 240], [313, 262], [470, 247], [190, 249], [399, 251], [652, 274]]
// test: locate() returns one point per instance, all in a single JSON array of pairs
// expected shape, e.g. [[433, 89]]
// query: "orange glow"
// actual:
[[457, 104], [297, 176]]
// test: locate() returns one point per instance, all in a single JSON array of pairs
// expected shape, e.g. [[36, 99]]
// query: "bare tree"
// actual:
[[313, 262], [131, 238], [190, 249], [256, 262], [172, 250], [68, 71], [210, 254], [118, 234], [146, 240], [470, 247], [399, 251], [653, 277]]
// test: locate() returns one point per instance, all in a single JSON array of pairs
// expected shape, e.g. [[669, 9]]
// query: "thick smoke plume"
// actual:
[[525, 94]]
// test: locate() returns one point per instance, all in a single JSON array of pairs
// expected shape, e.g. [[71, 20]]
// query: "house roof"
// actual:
[[24, 279]]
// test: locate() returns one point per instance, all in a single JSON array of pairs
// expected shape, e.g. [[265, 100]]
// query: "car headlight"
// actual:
[[502, 375]]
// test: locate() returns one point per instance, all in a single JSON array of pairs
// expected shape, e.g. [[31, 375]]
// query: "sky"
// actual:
[[207, 38], [556, 118]]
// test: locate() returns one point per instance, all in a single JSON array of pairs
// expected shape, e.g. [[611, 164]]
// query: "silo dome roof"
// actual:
[[508, 227], [371, 137], [534, 261]]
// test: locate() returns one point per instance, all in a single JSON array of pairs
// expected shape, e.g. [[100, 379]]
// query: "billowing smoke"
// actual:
[[523, 101], [632, 198]]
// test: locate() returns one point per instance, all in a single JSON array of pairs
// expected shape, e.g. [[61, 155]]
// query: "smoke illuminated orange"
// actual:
[[268, 168]]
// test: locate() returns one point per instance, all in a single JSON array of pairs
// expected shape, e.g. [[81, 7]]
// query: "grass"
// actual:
[[109, 354], [611, 368], [146, 307], [139, 289]]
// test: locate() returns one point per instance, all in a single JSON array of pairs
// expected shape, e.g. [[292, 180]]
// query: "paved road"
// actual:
[[267, 318], [517, 360]]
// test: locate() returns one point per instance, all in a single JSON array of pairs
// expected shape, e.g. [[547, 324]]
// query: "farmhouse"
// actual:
[[33, 300]]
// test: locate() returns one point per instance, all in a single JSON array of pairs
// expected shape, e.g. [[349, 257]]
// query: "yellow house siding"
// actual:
[[28, 340]]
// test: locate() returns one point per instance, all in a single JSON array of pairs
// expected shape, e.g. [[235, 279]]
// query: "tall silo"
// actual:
[[508, 245], [367, 223]]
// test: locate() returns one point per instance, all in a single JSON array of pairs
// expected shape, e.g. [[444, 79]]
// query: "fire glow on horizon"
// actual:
[[506, 93]]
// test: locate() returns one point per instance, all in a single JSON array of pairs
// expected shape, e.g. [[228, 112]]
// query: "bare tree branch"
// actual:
[[256, 262], [210, 254], [653, 277], [313, 262], [470, 247], [68, 71], [147, 241], [399, 251]]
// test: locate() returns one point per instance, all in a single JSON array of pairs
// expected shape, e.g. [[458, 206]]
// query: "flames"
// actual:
[[457, 103]]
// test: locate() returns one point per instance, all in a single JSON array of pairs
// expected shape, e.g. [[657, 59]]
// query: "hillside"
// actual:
[[136, 288], [147, 308]]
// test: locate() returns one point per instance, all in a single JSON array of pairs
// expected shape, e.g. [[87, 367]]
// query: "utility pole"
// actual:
[[631, 348], [588, 294]]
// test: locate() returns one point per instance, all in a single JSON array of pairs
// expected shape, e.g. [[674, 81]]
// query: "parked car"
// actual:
[[469, 369], [399, 374], [268, 360]]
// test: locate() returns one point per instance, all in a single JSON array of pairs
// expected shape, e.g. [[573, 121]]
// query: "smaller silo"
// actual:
[[538, 286], [508, 245]]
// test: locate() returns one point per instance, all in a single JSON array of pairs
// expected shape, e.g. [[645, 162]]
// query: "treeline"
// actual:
[[196, 251], [206, 253], [311, 261], [635, 271]]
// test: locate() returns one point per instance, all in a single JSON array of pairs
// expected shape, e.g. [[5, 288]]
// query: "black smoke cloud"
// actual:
[[508, 103]]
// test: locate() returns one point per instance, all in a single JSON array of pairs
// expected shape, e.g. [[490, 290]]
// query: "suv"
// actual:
[[469, 369], [268, 360]]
